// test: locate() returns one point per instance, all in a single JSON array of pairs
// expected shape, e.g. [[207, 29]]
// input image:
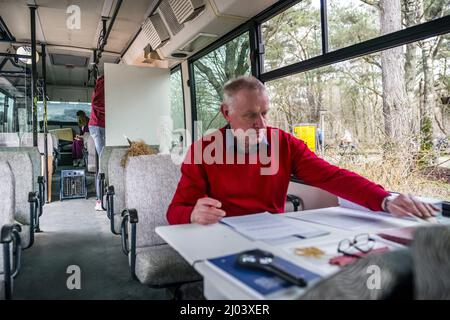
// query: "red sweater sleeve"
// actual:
[[343, 183], [192, 186]]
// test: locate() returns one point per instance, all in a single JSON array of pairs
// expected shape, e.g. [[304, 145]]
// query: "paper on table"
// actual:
[[268, 226], [349, 219]]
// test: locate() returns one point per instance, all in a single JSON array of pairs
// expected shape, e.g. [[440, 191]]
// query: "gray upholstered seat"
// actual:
[[6, 212], [90, 147], [27, 141], [22, 168], [150, 183], [35, 160], [116, 178], [159, 265], [9, 139], [104, 160]]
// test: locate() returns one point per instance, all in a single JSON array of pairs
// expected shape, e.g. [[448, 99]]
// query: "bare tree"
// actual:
[[396, 114]]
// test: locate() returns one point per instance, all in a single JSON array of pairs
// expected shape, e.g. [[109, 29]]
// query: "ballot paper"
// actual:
[[263, 226]]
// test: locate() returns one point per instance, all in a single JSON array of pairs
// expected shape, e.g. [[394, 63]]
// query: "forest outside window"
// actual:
[[176, 99], [211, 72], [382, 115], [292, 36]]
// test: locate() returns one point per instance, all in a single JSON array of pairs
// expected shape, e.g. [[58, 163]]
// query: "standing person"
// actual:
[[78, 144], [97, 126]]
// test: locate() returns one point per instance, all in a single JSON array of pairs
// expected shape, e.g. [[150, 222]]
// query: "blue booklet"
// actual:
[[261, 283]]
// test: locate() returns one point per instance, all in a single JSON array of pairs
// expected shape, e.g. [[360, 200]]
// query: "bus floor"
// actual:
[[75, 237]]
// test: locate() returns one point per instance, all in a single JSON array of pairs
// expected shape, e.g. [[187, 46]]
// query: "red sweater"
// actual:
[[243, 190], [97, 117]]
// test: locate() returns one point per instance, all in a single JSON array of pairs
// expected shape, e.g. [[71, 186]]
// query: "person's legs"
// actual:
[[98, 134]]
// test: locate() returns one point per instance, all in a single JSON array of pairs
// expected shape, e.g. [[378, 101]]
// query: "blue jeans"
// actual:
[[98, 134]]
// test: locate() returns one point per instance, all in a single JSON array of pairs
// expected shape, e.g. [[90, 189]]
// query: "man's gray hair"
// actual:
[[241, 83]]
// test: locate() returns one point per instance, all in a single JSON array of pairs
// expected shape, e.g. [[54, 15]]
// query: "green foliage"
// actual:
[[212, 71], [176, 100]]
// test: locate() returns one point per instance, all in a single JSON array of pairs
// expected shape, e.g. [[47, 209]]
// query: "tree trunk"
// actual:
[[429, 98], [396, 117], [411, 19]]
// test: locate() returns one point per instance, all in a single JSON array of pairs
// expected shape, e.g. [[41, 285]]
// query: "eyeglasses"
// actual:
[[361, 243]]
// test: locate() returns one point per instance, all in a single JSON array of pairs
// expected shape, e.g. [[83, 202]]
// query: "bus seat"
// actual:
[[90, 152], [25, 214], [9, 233], [116, 178], [150, 183], [63, 133], [52, 144], [9, 139]]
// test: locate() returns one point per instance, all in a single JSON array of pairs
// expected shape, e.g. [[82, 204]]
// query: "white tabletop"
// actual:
[[198, 243]]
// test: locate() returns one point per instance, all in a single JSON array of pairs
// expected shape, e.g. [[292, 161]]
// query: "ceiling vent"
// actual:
[[169, 17], [68, 60], [186, 10], [155, 31]]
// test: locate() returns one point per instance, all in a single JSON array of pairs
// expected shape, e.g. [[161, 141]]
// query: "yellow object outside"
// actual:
[[306, 133]]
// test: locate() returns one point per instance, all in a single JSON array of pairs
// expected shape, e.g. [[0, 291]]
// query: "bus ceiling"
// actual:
[[82, 36]]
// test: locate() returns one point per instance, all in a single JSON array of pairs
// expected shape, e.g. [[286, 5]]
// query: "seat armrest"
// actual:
[[296, 201], [9, 234], [102, 186], [33, 200], [130, 216], [110, 208], [41, 183]]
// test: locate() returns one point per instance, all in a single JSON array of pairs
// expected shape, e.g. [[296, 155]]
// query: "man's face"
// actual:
[[249, 111]]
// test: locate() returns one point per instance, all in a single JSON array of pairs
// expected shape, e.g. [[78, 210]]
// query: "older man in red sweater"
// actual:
[[246, 167]]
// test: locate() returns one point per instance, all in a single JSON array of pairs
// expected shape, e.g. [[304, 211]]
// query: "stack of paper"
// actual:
[[263, 226]]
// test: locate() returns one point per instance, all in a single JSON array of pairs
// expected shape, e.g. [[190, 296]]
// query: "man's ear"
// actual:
[[225, 111]]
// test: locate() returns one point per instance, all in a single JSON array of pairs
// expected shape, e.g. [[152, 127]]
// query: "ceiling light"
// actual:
[[26, 51]]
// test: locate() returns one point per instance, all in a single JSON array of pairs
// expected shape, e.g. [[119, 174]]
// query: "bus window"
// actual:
[[211, 72]]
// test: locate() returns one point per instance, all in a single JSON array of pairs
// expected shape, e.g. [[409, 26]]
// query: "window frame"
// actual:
[[253, 27], [172, 71]]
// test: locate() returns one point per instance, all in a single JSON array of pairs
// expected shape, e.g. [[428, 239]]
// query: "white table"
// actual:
[[197, 243]]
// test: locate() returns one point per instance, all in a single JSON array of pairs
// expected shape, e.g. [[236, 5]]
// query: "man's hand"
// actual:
[[404, 205], [206, 211]]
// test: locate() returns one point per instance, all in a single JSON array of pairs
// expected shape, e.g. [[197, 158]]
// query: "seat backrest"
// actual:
[[6, 199], [116, 178], [92, 165], [9, 139], [150, 183], [27, 141], [35, 157], [431, 256], [22, 168], [104, 160], [63, 133]]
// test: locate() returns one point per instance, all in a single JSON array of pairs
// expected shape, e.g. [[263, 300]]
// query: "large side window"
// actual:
[[211, 72], [385, 116], [292, 36], [176, 99]]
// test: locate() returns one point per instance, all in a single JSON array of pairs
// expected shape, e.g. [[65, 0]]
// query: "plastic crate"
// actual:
[[73, 184]]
